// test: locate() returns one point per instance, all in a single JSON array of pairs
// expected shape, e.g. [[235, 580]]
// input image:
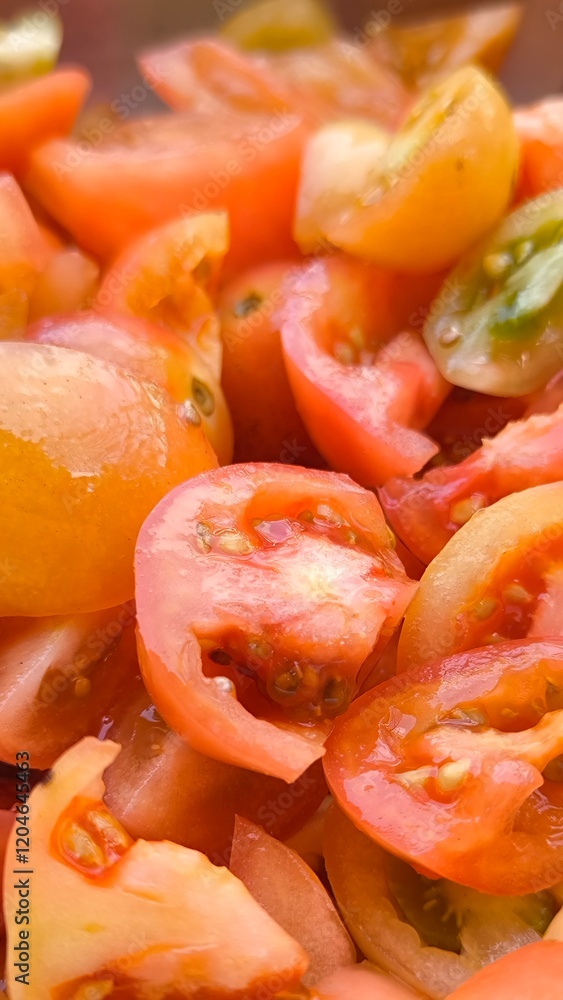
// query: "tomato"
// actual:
[[149, 171], [362, 982], [432, 934], [530, 972], [152, 354], [497, 324], [540, 130], [28, 47], [421, 53], [426, 512], [24, 255], [364, 389], [67, 284], [207, 793], [267, 425], [286, 580], [58, 677], [278, 25], [132, 917], [319, 83], [467, 418], [292, 894], [439, 184], [87, 451], [33, 112], [462, 737], [490, 581], [167, 277]]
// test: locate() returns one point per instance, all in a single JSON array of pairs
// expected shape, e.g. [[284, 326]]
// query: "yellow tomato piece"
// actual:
[[278, 25], [29, 46]]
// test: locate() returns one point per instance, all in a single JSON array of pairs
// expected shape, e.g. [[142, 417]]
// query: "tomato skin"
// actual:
[[362, 982], [540, 130], [24, 255], [267, 425], [523, 454], [385, 762], [293, 895], [191, 535], [149, 170], [365, 419], [105, 447], [208, 793], [68, 284], [151, 353], [33, 112], [530, 972]]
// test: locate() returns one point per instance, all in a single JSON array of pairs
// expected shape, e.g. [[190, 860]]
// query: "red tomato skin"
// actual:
[[530, 973], [540, 129], [365, 420], [32, 113]]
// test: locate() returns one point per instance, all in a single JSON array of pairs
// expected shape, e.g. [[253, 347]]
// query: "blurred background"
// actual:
[[104, 35]]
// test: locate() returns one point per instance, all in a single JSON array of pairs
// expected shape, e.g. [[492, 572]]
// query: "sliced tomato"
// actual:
[[58, 677], [131, 917], [149, 171], [267, 425], [155, 355], [415, 760], [467, 418], [67, 284], [364, 389], [168, 276], [33, 112], [426, 512], [87, 451], [490, 581], [292, 894], [540, 130], [529, 973], [362, 982], [430, 933], [207, 793], [285, 582], [24, 255], [321, 83]]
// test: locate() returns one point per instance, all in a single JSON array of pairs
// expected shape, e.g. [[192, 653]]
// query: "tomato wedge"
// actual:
[[495, 579], [264, 589], [67, 284], [417, 758], [527, 974], [426, 512], [33, 112], [24, 255], [364, 390], [540, 130], [292, 894]]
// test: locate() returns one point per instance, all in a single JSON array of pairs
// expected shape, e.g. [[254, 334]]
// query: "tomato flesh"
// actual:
[[529, 973]]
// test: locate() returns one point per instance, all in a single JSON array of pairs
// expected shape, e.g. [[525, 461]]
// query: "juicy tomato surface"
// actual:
[[540, 130], [415, 760], [531, 972], [294, 590], [364, 385]]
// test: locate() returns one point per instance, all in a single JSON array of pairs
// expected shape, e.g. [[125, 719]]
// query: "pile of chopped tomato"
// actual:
[[281, 546]]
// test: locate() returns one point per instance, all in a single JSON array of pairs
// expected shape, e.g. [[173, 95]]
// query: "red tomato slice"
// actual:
[[208, 793], [286, 580], [540, 129], [527, 974], [24, 255], [58, 677], [33, 112], [362, 982], [364, 389], [293, 895], [149, 171], [267, 425], [426, 512], [415, 760]]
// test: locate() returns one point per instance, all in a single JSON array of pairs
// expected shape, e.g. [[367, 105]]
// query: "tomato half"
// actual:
[[430, 933], [540, 130], [292, 894], [33, 112], [150, 171], [415, 760], [154, 355], [104, 447], [267, 425], [495, 579], [426, 512], [268, 590], [24, 255], [207, 793], [131, 917], [529, 973], [364, 390]]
